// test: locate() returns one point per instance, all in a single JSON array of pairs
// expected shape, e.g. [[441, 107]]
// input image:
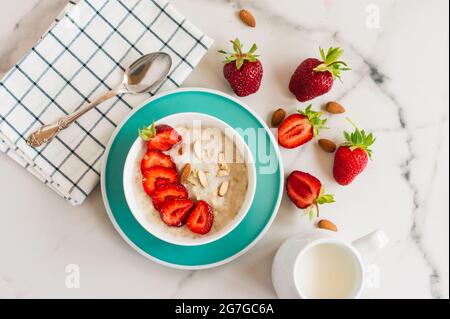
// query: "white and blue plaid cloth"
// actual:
[[83, 55]]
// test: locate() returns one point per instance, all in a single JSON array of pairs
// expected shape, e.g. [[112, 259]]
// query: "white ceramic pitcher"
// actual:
[[292, 251]]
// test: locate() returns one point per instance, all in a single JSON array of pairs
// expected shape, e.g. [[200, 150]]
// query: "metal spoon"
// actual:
[[141, 77]]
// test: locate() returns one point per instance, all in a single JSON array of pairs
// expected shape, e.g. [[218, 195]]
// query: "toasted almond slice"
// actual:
[[198, 149], [223, 173], [203, 179], [181, 150], [223, 189], [222, 162], [192, 180], [185, 172]]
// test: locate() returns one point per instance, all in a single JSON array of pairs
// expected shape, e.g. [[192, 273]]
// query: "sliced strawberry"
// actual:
[[161, 182], [298, 129], [174, 211], [166, 137], [201, 219], [303, 189], [158, 175], [160, 137], [294, 131], [156, 158], [168, 191]]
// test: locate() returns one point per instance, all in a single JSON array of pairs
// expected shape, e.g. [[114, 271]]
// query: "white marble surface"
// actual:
[[398, 88]]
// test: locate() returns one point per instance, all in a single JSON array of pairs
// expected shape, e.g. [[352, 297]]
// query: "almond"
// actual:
[[198, 149], [327, 145], [185, 172], [278, 117], [223, 173], [203, 179], [192, 180], [222, 163], [223, 189], [181, 150], [335, 108], [248, 18], [328, 225]]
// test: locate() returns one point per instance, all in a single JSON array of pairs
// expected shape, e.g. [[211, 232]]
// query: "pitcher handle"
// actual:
[[370, 245]]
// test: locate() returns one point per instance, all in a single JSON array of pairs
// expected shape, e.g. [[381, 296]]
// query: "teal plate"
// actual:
[[269, 186]]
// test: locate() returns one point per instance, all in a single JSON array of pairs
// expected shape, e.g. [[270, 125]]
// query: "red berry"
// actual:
[[306, 192], [306, 84], [243, 71], [246, 80], [157, 176], [160, 138], [351, 157], [348, 164], [294, 131], [313, 77], [298, 129], [166, 137], [168, 191], [174, 212], [303, 189], [156, 158], [201, 219]]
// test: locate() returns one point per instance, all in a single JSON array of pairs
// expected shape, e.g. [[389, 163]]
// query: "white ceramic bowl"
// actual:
[[138, 150]]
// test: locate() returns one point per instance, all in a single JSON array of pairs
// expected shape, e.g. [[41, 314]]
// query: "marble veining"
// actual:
[[403, 192]]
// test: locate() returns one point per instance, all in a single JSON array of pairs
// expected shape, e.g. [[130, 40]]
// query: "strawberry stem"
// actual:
[[359, 139], [315, 118], [238, 56], [321, 199], [317, 209], [330, 62], [147, 133]]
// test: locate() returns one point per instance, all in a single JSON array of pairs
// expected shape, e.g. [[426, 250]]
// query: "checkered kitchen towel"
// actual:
[[82, 56]]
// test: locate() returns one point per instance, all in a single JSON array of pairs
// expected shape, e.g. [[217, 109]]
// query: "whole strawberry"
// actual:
[[313, 77], [352, 156], [243, 71]]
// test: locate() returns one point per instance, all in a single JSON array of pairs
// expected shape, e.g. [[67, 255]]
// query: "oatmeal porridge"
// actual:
[[217, 175]]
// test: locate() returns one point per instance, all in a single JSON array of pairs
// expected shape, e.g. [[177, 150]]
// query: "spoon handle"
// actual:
[[47, 132]]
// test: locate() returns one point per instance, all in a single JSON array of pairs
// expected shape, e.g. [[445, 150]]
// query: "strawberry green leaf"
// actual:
[[322, 54], [324, 198], [147, 133], [315, 118], [331, 62], [359, 139], [239, 63], [311, 214], [313, 210], [238, 57]]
